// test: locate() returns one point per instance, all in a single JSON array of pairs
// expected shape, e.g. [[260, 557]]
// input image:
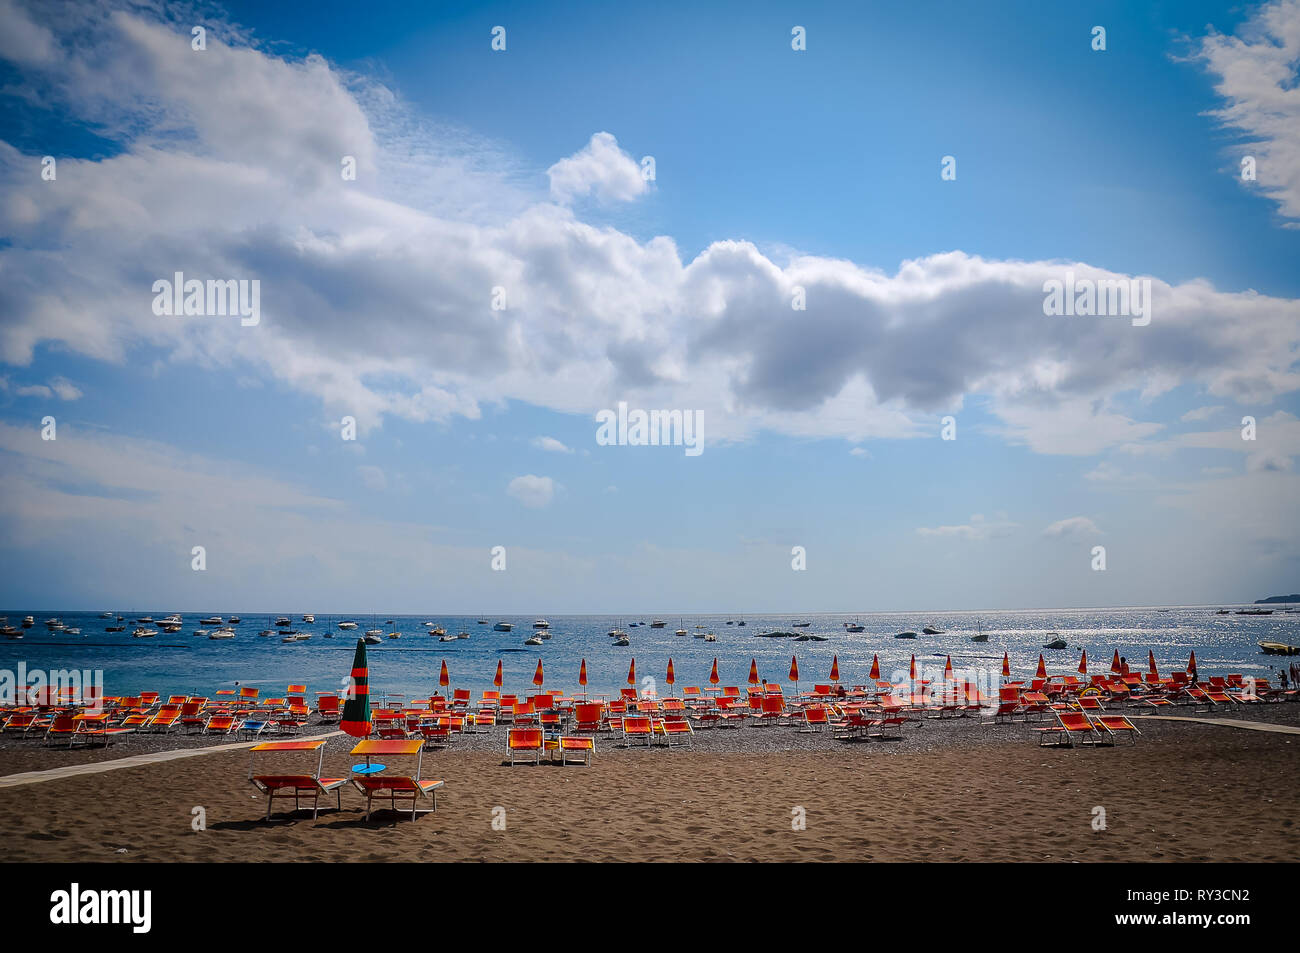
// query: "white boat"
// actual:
[[290, 638], [106, 615], [222, 634], [143, 633], [681, 628], [372, 639], [448, 638], [533, 641], [308, 618], [462, 635], [700, 635], [621, 642], [235, 620], [854, 627], [347, 625], [394, 635], [283, 620], [503, 627], [28, 622], [658, 624], [206, 632], [375, 632], [541, 624], [710, 637], [72, 631], [172, 619], [302, 636]]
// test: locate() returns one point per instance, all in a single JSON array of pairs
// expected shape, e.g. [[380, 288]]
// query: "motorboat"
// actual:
[[800, 625], [1254, 612], [115, 628], [449, 638], [143, 633], [283, 621], [931, 630], [106, 615], [621, 642], [541, 624], [221, 634], [534, 640], [658, 624], [308, 617], [210, 620], [28, 622], [503, 627], [810, 637], [394, 635], [71, 631], [1279, 648], [710, 637], [235, 620], [906, 635], [1056, 643], [854, 627], [372, 639], [347, 625]]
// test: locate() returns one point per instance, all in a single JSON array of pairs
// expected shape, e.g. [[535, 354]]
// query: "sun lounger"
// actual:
[[396, 787], [637, 727], [19, 724], [526, 740], [222, 725], [584, 745], [671, 728], [815, 718], [1114, 725], [1068, 727], [296, 786]]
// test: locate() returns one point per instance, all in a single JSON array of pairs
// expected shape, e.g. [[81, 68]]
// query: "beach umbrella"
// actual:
[[356, 710], [631, 673], [1191, 663], [874, 674], [538, 677], [1006, 665], [444, 677], [670, 677], [947, 670], [835, 669], [497, 679], [582, 677], [753, 671], [794, 672], [1083, 663], [1114, 663], [1042, 667], [1151, 661], [713, 675]]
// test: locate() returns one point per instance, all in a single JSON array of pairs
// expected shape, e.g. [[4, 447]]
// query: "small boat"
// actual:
[[10, 631], [439, 631], [1057, 643], [710, 637], [302, 636], [482, 622], [809, 637], [448, 638], [289, 638], [741, 622], [143, 633], [235, 620], [283, 620], [1222, 612], [931, 630], [503, 627], [264, 633], [394, 635], [221, 634], [854, 627], [1279, 648], [541, 624], [731, 622], [148, 620], [115, 628], [906, 635], [1254, 612], [979, 637], [171, 628], [106, 615], [28, 622], [347, 625], [658, 624], [621, 642], [462, 635], [210, 620], [72, 631], [372, 639], [800, 625], [534, 640], [681, 627], [308, 617]]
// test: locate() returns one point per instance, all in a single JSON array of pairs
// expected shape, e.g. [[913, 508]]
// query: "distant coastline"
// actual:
[[1294, 597]]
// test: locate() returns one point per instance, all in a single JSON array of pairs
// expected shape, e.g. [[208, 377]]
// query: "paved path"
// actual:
[[1224, 722], [134, 761]]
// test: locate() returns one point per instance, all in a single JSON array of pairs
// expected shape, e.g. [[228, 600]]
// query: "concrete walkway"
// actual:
[[1223, 722], [137, 760]]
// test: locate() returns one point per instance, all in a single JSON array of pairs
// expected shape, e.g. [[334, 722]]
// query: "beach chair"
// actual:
[[1069, 725], [328, 709], [485, 719], [62, 726], [584, 745], [393, 786], [637, 727], [297, 786], [1114, 725], [815, 718], [1090, 703], [771, 710], [96, 727], [222, 725], [460, 698], [526, 740], [671, 728], [167, 718], [19, 724], [588, 718]]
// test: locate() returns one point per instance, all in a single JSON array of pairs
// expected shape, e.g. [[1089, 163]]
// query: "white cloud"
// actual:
[[551, 444], [34, 390], [1074, 526], [977, 528], [860, 452], [65, 389], [600, 169], [1200, 413], [1256, 72], [532, 491]]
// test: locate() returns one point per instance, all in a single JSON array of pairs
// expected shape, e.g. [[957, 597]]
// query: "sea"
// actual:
[[185, 663]]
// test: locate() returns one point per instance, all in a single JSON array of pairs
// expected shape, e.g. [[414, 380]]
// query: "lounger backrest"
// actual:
[[525, 738], [588, 713]]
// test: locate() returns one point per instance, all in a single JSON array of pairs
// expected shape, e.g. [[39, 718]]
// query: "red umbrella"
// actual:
[[670, 677], [794, 672], [631, 673], [356, 710], [713, 675], [1083, 663], [582, 677], [947, 670], [444, 677], [835, 669], [1191, 663], [753, 672], [1151, 660], [538, 678], [1006, 665], [912, 673], [875, 668], [496, 679], [1114, 663], [1042, 667]]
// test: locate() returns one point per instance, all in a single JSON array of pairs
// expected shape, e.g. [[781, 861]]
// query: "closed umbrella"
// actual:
[[1006, 665], [713, 673], [582, 677], [1114, 663], [356, 710], [874, 674], [1042, 667], [1151, 662], [496, 679], [835, 669], [670, 677], [538, 677], [753, 672], [794, 673], [444, 677]]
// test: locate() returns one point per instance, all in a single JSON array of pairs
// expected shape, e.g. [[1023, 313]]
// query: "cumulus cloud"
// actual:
[[551, 444], [532, 491], [1074, 526], [600, 169], [1257, 74], [376, 300]]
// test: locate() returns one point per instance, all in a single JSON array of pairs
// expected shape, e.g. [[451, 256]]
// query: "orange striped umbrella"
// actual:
[[631, 673], [496, 679], [947, 670], [356, 710], [1006, 665], [912, 673], [1042, 666], [582, 677], [538, 677], [1083, 663], [713, 675], [753, 671], [444, 677], [671, 677], [1114, 663], [1191, 663], [794, 672], [835, 669], [875, 668], [1151, 661]]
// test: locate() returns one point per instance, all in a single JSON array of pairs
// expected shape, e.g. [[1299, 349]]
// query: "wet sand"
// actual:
[[1184, 792]]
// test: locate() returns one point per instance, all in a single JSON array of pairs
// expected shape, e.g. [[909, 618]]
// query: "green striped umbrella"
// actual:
[[356, 710]]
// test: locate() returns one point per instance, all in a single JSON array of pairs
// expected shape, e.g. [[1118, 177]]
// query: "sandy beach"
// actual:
[[948, 792]]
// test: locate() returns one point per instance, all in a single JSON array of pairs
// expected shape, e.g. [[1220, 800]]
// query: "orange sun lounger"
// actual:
[[526, 740], [396, 787], [583, 745], [296, 786], [1112, 725]]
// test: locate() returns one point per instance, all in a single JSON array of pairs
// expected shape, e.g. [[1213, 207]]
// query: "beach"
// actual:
[[952, 790]]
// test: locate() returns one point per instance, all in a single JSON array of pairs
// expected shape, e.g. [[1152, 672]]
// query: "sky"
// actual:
[[831, 257]]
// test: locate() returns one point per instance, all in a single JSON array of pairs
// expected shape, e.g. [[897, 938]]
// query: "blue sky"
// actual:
[[774, 169]]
